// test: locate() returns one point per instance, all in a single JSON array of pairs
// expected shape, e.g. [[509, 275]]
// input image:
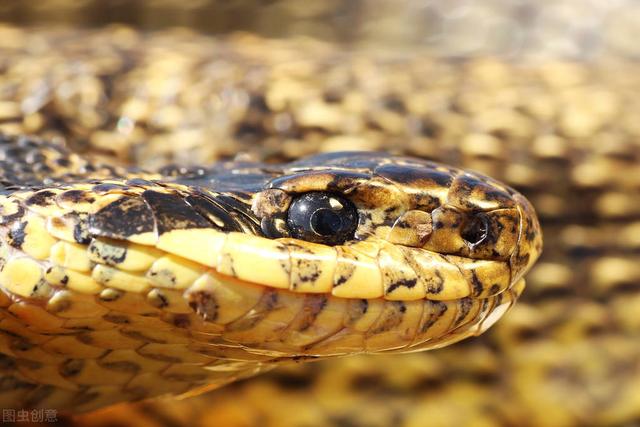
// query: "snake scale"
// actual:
[[560, 133]]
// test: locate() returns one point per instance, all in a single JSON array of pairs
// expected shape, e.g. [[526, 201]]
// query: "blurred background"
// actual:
[[540, 94], [514, 28]]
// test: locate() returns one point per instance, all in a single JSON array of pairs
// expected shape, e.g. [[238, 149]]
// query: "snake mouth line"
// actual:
[[361, 270]]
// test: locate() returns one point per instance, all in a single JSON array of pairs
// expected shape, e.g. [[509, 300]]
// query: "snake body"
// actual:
[[563, 132]]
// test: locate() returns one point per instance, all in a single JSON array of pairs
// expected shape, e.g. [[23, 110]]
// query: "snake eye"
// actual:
[[322, 218], [476, 230]]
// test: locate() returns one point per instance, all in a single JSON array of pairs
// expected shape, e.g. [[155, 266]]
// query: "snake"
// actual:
[[122, 286], [558, 132]]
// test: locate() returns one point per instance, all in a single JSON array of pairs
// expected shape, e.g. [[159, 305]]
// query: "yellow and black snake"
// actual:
[[120, 285], [562, 132]]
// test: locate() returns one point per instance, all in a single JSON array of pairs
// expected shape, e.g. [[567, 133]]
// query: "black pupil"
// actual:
[[326, 222]]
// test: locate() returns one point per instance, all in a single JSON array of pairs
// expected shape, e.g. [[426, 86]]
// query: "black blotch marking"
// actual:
[[419, 176], [85, 338], [476, 283], [71, 367], [341, 280], [40, 394], [84, 396], [122, 218], [21, 344], [81, 230], [356, 311], [76, 196], [117, 319], [204, 304], [7, 219], [521, 261], [407, 283], [17, 234], [364, 306], [41, 284], [159, 299], [65, 280], [436, 286], [498, 196], [213, 212], [110, 254], [13, 384], [440, 309], [171, 212], [391, 317], [465, 307], [306, 270], [181, 321], [7, 362], [425, 202], [41, 198], [314, 304], [465, 184]]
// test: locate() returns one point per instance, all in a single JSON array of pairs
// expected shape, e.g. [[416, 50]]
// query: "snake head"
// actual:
[[419, 254], [348, 252]]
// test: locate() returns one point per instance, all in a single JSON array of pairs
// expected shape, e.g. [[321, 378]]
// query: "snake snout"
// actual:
[[529, 245]]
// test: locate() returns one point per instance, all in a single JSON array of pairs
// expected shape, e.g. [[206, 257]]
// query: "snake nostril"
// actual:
[[476, 230]]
